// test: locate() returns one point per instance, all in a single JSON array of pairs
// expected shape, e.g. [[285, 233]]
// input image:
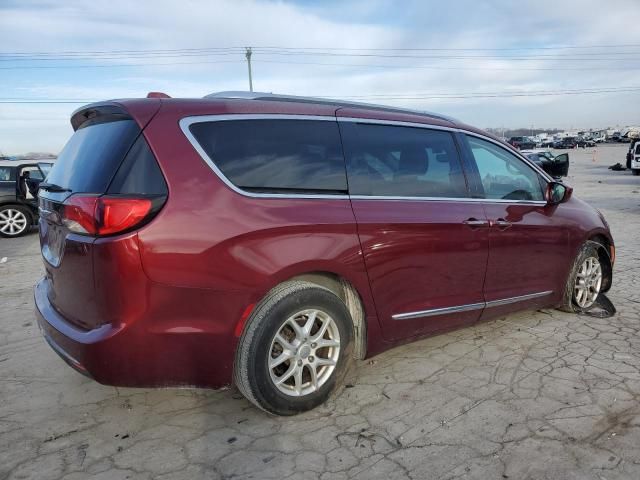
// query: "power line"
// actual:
[[351, 65], [440, 67], [304, 53], [241, 49], [409, 96], [116, 65]]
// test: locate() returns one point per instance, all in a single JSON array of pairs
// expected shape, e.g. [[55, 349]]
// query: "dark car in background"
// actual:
[[522, 143], [555, 165], [267, 240], [19, 181], [565, 143]]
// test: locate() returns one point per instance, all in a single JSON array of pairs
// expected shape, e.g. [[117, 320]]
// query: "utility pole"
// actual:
[[248, 55]]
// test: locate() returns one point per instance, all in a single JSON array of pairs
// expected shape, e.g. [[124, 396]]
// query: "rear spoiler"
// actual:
[[98, 113]]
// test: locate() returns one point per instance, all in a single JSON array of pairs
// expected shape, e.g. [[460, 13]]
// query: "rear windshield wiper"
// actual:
[[52, 187]]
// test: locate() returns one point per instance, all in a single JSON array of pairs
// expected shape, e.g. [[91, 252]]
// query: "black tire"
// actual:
[[10, 232], [636, 171], [251, 370], [569, 304]]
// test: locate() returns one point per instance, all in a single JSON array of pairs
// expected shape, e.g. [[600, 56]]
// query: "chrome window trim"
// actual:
[[448, 199], [398, 123], [469, 307], [186, 122]]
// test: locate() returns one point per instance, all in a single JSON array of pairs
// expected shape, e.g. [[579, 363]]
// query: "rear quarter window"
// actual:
[[6, 174], [276, 155]]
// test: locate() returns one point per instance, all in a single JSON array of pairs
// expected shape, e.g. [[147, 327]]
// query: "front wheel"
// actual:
[[584, 282], [635, 171], [294, 349]]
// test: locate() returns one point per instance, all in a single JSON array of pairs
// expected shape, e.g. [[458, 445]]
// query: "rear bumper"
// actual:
[[187, 340]]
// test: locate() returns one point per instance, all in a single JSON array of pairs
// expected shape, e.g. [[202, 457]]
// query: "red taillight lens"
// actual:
[[92, 215], [79, 214], [119, 214]]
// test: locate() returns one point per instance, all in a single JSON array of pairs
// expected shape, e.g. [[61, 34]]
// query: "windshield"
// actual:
[[46, 168]]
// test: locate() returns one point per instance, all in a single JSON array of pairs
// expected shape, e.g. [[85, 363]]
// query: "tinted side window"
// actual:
[[401, 161], [276, 155], [504, 176]]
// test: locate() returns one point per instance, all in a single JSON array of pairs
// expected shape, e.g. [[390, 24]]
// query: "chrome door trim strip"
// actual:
[[399, 123], [186, 122], [438, 311], [521, 298], [469, 307], [449, 199]]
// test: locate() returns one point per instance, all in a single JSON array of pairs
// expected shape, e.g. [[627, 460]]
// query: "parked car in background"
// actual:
[[19, 182], [566, 143], [555, 165], [267, 240], [585, 142], [522, 143], [633, 158]]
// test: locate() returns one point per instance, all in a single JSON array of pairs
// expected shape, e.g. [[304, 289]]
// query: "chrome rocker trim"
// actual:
[[466, 308]]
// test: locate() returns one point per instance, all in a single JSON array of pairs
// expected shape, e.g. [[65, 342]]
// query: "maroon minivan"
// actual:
[[266, 240]]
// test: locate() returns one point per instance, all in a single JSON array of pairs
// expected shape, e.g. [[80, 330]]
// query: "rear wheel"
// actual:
[[294, 349], [635, 171], [14, 220], [585, 280]]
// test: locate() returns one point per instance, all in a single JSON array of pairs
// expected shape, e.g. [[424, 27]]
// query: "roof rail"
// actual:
[[322, 101]]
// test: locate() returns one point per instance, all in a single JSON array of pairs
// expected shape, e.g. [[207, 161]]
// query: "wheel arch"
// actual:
[[344, 288], [604, 248], [13, 203], [348, 293]]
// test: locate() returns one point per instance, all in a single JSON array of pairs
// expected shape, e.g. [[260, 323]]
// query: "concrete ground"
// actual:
[[536, 395]]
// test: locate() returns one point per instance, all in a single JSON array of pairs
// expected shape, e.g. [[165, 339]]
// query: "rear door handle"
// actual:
[[502, 224], [475, 223]]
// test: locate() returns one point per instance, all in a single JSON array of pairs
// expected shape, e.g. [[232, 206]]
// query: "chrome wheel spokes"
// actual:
[[304, 352], [12, 222], [588, 283]]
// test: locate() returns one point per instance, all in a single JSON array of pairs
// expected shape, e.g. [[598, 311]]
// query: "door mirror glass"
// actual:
[[557, 193]]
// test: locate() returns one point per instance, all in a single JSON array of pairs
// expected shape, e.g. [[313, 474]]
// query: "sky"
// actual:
[[541, 64]]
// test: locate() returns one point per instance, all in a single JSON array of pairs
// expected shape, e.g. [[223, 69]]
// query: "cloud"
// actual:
[[124, 25]]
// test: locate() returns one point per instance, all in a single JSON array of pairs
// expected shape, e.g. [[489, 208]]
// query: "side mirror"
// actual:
[[557, 193]]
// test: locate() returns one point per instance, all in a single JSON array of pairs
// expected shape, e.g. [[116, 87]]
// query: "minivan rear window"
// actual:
[[276, 155], [92, 155]]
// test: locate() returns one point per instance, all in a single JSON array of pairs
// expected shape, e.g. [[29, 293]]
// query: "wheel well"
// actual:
[[604, 254], [32, 217], [342, 288]]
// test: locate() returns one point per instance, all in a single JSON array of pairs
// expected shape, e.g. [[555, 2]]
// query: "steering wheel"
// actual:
[[518, 195]]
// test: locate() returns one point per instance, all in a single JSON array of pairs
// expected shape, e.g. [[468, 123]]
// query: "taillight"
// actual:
[[95, 215]]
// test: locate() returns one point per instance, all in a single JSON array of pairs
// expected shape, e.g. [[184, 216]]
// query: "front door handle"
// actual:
[[502, 224], [475, 223]]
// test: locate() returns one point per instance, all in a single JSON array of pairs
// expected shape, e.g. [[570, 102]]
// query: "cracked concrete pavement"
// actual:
[[535, 395]]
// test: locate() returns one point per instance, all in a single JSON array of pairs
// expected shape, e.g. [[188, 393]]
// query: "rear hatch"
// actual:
[[105, 184]]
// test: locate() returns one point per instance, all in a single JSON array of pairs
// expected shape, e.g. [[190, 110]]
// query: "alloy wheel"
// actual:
[[588, 283], [12, 222], [304, 352]]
